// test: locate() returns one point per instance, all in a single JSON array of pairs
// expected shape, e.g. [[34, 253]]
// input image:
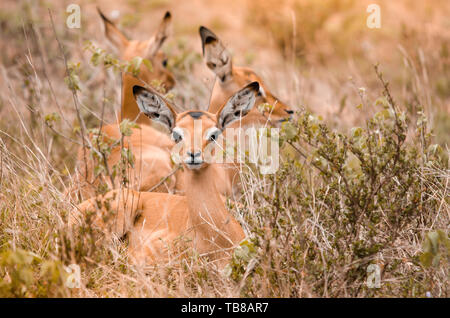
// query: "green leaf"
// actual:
[[426, 259], [265, 107], [148, 64], [289, 130], [126, 127], [51, 118]]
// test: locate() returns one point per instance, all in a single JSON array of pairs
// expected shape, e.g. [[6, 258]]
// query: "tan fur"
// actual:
[[241, 76], [151, 150]]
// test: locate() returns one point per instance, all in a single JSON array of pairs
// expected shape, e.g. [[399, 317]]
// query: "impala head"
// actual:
[[230, 78], [148, 49], [195, 129]]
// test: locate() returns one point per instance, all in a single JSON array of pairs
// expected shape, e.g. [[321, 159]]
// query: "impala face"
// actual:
[[230, 78], [194, 131], [148, 49]]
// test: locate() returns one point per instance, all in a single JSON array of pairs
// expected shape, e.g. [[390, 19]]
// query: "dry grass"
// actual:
[[301, 245]]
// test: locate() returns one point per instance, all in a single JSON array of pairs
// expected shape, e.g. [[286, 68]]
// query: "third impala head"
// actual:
[[218, 59], [195, 130], [148, 49]]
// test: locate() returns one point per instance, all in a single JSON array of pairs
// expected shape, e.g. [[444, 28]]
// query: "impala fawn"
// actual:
[[154, 222], [149, 146], [230, 78]]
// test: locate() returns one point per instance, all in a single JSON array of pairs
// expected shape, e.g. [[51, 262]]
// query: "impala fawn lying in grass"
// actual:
[[155, 222], [230, 78], [149, 146]]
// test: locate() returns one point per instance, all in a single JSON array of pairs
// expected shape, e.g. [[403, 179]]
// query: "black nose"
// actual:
[[290, 112], [193, 155]]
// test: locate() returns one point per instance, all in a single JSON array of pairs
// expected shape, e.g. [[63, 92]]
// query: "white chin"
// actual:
[[194, 166]]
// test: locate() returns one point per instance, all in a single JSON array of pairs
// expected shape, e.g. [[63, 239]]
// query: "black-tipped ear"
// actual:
[[239, 105], [103, 16], [161, 34], [253, 86], [113, 34], [137, 90], [207, 37], [154, 106], [215, 54]]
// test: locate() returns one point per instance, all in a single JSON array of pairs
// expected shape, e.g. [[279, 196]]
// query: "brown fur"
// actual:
[[151, 150]]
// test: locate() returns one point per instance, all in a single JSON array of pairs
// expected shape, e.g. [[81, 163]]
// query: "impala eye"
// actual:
[[164, 63], [177, 135], [213, 134]]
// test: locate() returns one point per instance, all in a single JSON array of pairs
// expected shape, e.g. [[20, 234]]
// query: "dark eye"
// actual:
[[164, 63], [213, 134], [211, 65], [176, 136], [237, 113]]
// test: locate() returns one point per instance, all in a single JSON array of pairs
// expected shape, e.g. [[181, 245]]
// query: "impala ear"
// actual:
[[113, 34], [161, 34], [216, 56], [239, 105], [155, 106]]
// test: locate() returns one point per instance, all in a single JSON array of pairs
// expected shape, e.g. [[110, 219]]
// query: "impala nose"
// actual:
[[290, 112], [193, 160], [194, 155]]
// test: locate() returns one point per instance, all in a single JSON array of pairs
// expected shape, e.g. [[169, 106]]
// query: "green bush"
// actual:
[[25, 274], [343, 202]]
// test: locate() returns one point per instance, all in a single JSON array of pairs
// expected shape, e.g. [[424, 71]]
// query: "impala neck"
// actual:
[[214, 227], [130, 109], [221, 93]]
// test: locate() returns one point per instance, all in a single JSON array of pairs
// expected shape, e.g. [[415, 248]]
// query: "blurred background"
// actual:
[[315, 55]]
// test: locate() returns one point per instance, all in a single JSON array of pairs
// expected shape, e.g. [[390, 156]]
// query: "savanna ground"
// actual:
[[364, 164]]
